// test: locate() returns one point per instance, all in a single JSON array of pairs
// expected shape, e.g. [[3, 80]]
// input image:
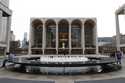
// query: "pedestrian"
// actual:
[[119, 57], [5, 60], [11, 56]]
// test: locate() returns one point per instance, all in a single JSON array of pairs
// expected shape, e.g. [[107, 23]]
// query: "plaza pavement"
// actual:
[[116, 80], [7, 80], [111, 77]]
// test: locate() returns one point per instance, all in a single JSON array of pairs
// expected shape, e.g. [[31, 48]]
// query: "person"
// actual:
[[5, 60], [118, 57], [10, 57]]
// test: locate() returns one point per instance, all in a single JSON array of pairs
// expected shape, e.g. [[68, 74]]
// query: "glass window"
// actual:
[[38, 36], [89, 33], [50, 34], [63, 34], [76, 34], [76, 37], [37, 28], [51, 37]]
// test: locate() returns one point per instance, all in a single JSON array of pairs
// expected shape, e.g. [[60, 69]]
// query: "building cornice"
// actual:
[[5, 9]]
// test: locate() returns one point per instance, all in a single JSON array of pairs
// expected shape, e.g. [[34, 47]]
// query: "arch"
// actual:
[[89, 23], [77, 22], [37, 28], [76, 28], [89, 26], [63, 32], [50, 33], [50, 22], [63, 23], [36, 23]]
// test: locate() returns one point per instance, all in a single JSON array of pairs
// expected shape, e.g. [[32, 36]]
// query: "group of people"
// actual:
[[118, 56]]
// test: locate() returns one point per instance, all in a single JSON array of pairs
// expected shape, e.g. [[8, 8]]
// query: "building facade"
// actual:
[[104, 41], [5, 23], [59, 35], [5, 2]]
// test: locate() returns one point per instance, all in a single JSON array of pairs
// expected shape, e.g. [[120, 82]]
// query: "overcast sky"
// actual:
[[103, 10]]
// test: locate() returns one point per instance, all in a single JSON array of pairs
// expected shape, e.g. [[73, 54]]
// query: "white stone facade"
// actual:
[[54, 35], [119, 11], [5, 2], [5, 23]]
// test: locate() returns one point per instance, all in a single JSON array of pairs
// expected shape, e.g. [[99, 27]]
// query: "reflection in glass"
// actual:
[[50, 34], [38, 36], [37, 33], [76, 37], [76, 34], [89, 33], [51, 37]]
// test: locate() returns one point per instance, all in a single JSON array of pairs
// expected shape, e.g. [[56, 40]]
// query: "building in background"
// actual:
[[107, 45], [14, 46], [24, 41], [104, 41], [122, 40], [5, 26], [54, 35], [12, 36], [18, 47]]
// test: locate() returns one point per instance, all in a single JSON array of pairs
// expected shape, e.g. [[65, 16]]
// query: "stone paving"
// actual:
[[63, 78], [116, 80], [8, 80]]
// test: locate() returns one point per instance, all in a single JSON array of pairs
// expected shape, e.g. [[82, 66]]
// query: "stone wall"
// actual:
[[5, 2]]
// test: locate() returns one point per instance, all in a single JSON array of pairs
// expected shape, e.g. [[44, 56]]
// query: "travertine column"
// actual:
[[96, 39], [117, 32], [8, 32], [57, 37], [0, 25], [44, 38], [83, 37], [70, 46]]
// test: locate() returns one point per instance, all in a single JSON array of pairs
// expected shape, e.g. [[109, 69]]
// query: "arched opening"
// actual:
[[50, 37], [76, 30], [76, 34], [89, 36], [63, 36], [37, 28], [63, 33], [89, 33], [50, 34]]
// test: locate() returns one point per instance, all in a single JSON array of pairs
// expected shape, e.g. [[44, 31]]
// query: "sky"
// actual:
[[103, 10]]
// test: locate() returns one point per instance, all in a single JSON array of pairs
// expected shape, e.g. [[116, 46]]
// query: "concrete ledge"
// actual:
[[5, 9]]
